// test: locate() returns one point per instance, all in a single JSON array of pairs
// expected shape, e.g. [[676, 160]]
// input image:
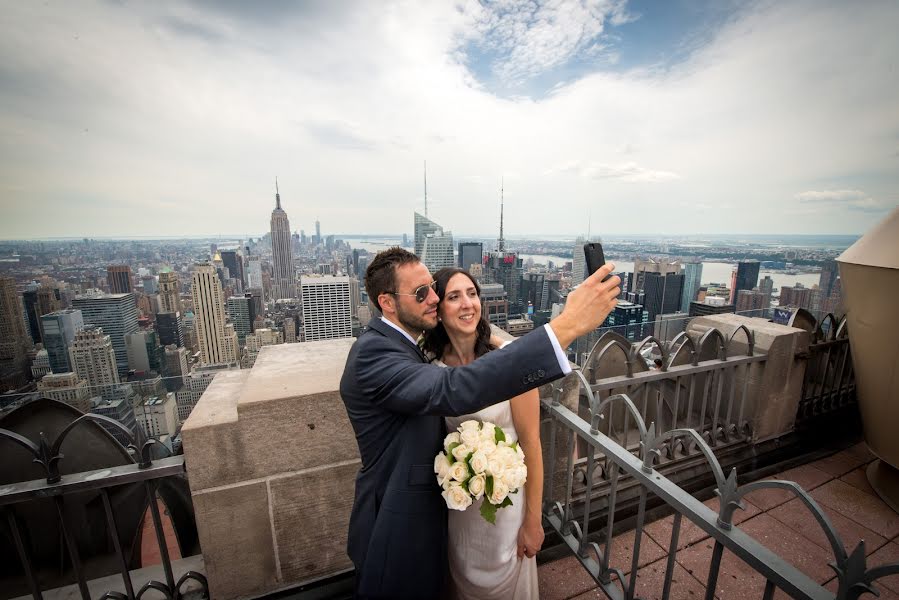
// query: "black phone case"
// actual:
[[595, 257]]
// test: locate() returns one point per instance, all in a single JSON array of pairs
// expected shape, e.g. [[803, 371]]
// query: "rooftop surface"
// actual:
[[773, 517]]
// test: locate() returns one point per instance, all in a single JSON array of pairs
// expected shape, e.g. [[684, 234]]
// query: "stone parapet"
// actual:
[[272, 459], [775, 385]]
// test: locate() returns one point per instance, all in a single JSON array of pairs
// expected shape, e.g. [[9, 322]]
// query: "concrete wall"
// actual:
[[271, 459]]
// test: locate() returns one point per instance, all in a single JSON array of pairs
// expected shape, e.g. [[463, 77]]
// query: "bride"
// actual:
[[489, 561]]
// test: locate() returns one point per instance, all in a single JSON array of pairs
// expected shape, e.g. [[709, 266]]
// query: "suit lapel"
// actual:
[[384, 329]]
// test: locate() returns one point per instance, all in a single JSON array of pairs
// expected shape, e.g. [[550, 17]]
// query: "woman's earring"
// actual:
[[439, 319]]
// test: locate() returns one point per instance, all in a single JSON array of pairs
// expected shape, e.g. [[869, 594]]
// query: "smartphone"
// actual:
[[595, 258]]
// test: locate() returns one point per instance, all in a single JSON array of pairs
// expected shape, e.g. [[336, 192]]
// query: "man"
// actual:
[[396, 401]]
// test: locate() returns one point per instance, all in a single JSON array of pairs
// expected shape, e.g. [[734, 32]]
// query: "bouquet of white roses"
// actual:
[[477, 462]]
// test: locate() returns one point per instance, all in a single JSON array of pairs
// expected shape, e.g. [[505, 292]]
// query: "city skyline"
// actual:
[[151, 120]]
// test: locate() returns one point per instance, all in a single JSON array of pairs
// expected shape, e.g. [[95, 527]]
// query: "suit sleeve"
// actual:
[[402, 385]]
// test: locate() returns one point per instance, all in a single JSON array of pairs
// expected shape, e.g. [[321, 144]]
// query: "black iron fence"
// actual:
[[829, 383], [68, 503], [574, 518]]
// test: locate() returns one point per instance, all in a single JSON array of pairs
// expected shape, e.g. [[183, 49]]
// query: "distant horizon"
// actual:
[[346, 236]]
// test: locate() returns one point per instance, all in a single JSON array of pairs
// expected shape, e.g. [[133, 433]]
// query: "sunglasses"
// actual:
[[420, 293]]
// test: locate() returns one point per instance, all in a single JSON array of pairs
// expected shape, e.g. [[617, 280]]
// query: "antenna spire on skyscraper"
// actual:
[[426, 188], [502, 242], [277, 194]]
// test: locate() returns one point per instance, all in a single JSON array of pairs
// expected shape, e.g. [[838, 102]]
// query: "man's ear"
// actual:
[[386, 301]]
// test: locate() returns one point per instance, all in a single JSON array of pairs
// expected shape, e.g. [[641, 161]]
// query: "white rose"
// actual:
[[470, 437], [461, 451], [495, 465], [510, 458], [452, 438], [515, 478], [519, 451], [456, 498], [441, 466], [488, 431], [477, 485], [488, 447], [459, 471], [500, 491], [478, 462], [470, 424]]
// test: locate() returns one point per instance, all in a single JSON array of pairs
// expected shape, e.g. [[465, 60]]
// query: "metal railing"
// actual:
[[572, 518], [702, 385], [102, 483], [829, 383]]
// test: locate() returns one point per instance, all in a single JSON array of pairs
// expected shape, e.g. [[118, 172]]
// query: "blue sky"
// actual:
[[673, 117]]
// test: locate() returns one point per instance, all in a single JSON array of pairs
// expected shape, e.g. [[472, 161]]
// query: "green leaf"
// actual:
[[488, 511], [488, 489], [506, 502], [449, 451], [514, 445], [498, 434]]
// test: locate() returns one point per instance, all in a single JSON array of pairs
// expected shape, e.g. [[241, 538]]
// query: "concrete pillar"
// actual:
[[272, 459]]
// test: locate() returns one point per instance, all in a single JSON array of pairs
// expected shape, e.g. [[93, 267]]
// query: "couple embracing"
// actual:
[[402, 399]]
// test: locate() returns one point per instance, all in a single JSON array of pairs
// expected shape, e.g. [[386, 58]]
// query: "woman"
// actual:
[[489, 561]]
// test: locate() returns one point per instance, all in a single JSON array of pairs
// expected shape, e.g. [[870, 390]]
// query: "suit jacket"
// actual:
[[396, 402]]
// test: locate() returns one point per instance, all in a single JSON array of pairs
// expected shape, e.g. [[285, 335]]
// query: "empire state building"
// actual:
[[283, 277]]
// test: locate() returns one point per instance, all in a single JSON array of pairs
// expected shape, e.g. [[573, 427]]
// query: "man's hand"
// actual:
[[587, 306]]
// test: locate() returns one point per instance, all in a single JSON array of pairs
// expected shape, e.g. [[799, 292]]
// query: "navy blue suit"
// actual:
[[396, 403]]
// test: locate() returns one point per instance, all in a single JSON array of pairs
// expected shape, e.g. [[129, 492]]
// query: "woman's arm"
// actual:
[[526, 416]]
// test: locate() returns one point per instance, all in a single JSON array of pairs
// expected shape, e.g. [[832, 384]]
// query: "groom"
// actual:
[[396, 400]]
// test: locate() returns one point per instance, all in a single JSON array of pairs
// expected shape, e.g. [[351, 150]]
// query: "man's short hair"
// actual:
[[380, 276]]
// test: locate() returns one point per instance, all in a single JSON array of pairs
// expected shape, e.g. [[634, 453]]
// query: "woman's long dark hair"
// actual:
[[436, 340]]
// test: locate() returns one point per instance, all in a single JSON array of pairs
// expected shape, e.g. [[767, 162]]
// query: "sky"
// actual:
[[122, 118]]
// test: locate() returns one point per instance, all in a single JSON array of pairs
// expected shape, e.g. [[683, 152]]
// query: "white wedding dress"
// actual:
[[483, 558]]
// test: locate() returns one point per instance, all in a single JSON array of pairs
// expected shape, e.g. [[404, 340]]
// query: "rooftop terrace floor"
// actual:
[[773, 517]]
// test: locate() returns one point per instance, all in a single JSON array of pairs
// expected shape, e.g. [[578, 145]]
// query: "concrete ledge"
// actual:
[[272, 460]]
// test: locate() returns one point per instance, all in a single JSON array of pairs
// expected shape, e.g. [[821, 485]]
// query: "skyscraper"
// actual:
[[242, 313], [234, 263], [283, 276], [175, 370], [170, 327], [470, 253], [59, 330], [254, 272], [209, 319], [433, 245], [662, 293], [751, 303], [663, 267], [747, 276], [169, 292], [13, 338], [326, 308], [495, 304], [119, 279], [829, 274], [66, 387], [116, 314], [93, 359], [692, 283], [578, 262], [144, 354]]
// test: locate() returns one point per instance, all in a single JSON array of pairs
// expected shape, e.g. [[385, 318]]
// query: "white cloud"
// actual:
[[529, 38], [629, 172], [851, 199], [105, 109]]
